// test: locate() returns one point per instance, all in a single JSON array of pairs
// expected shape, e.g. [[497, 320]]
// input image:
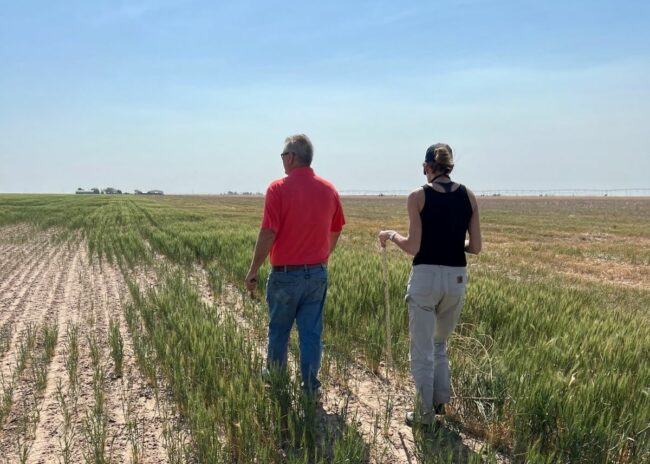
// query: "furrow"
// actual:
[[35, 287], [18, 267], [49, 436], [42, 310], [142, 425]]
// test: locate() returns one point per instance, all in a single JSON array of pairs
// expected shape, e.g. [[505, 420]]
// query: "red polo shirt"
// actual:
[[302, 209]]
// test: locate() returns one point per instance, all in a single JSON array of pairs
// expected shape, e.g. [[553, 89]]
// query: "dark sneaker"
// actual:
[[423, 420], [314, 395], [439, 409], [266, 376]]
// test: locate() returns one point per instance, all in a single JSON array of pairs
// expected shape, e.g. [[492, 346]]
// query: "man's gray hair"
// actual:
[[301, 146]]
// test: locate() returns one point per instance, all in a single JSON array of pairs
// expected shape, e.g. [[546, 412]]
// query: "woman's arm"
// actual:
[[475, 242], [411, 243]]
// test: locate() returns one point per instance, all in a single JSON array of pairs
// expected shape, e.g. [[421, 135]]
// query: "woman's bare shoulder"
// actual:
[[472, 197], [416, 198], [417, 192]]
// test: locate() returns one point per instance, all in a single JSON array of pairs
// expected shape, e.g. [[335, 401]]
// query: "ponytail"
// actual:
[[440, 158]]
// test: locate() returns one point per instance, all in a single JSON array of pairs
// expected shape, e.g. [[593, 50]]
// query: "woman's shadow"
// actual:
[[341, 443], [443, 443], [309, 431]]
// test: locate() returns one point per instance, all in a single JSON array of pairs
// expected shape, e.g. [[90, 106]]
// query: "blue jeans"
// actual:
[[298, 295]]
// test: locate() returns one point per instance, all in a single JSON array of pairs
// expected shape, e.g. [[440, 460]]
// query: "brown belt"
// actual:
[[297, 267]]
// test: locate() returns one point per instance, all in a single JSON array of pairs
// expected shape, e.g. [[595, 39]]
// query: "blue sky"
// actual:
[[197, 96]]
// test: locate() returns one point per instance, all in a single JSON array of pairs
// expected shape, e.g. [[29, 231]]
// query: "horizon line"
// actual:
[[510, 192]]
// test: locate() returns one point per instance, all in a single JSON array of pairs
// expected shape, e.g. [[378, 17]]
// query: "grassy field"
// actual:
[[550, 362]]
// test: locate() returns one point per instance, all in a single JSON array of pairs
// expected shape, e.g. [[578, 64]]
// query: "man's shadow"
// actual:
[[337, 441], [307, 430]]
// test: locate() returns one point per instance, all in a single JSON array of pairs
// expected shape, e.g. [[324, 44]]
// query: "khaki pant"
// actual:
[[435, 296]]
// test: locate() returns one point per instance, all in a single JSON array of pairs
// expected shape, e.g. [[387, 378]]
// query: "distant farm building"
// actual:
[[92, 191], [149, 192]]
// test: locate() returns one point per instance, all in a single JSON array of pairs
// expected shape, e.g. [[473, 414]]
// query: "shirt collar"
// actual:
[[302, 171]]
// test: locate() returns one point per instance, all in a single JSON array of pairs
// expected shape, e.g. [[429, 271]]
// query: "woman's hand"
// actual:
[[385, 235]]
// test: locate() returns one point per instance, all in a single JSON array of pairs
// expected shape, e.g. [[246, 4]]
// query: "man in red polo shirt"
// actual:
[[303, 219]]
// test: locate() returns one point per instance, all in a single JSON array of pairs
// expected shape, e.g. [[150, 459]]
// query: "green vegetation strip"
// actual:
[[215, 374]]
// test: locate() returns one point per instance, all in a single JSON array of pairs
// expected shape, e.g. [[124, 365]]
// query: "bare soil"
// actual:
[[47, 282]]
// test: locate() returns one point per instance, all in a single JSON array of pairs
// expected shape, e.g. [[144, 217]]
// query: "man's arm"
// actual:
[[265, 240]]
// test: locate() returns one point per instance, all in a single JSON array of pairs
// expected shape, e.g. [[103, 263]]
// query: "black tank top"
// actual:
[[445, 220]]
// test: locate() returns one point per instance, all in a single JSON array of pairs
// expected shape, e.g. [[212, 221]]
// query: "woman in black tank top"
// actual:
[[442, 214]]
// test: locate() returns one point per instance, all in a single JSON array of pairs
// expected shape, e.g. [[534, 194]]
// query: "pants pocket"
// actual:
[[420, 289], [457, 282], [280, 289]]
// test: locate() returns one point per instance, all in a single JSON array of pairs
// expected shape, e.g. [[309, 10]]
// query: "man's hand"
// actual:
[[263, 246], [251, 280]]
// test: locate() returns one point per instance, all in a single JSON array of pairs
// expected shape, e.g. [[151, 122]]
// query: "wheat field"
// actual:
[[126, 336]]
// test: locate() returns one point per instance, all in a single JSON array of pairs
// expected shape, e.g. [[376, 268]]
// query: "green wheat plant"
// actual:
[[6, 333], [95, 421], [117, 346], [26, 345], [68, 435], [6, 395], [72, 354]]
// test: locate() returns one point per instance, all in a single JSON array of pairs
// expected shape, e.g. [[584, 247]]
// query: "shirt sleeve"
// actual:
[[272, 206], [338, 220]]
